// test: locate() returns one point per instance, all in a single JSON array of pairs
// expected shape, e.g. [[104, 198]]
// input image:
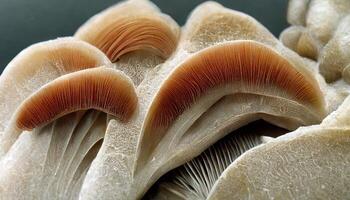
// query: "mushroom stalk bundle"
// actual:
[[135, 107]]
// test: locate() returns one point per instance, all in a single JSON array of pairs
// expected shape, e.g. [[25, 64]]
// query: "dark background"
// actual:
[[24, 22]]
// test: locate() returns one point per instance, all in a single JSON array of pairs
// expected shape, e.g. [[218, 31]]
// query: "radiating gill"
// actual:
[[124, 35], [101, 88], [243, 66], [196, 178]]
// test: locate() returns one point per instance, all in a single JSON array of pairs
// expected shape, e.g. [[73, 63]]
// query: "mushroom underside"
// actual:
[[196, 178], [58, 157]]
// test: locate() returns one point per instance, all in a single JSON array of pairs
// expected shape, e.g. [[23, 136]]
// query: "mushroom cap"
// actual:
[[39, 64], [212, 84], [250, 66], [101, 88], [130, 26]]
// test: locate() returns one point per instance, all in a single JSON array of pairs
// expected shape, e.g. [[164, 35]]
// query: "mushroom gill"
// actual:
[[134, 34], [214, 92], [194, 127], [131, 26], [39, 64], [100, 88], [51, 161], [127, 34], [237, 67], [196, 178]]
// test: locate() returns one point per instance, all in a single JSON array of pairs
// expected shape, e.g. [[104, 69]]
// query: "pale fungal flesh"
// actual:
[[315, 157], [336, 53], [101, 88], [216, 109], [57, 156], [319, 20], [296, 12], [321, 156], [210, 23]]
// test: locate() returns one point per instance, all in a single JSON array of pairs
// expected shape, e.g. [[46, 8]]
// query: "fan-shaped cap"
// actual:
[[101, 88], [130, 26], [236, 67], [39, 64]]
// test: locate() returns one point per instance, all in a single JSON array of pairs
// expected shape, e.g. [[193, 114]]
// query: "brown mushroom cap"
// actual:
[[101, 88]]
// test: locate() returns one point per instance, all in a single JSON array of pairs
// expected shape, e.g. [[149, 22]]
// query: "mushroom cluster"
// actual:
[[135, 107]]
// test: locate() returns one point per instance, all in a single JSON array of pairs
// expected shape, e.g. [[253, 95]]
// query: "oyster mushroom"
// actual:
[[244, 67], [65, 147], [192, 98], [211, 115], [132, 26], [39, 64], [228, 78], [102, 89]]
